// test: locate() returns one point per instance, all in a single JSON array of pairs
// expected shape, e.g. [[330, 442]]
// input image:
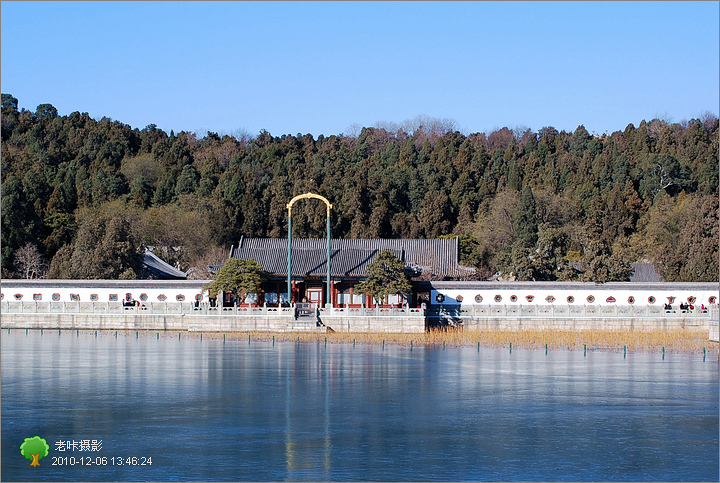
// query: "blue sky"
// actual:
[[320, 67]]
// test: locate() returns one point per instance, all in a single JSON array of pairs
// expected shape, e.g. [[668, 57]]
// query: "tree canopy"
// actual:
[[526, 201], [239, 277], [385, 276]]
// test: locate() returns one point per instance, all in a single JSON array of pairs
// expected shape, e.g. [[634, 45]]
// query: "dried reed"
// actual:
[[677, 341]]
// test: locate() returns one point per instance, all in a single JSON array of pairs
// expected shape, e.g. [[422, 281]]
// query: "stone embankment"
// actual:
[[186, 317], [713, 322]]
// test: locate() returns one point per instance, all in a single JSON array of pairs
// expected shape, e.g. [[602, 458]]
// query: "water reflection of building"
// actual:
[[307, 449]]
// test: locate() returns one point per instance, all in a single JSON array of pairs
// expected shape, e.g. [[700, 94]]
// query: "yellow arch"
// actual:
[[308, 195]]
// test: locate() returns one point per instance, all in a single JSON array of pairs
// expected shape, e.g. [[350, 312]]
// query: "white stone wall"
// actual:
[[585, 323], [85, 289], [582, 294]]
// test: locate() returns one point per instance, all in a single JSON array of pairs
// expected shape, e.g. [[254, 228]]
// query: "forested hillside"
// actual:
[[81, 195]]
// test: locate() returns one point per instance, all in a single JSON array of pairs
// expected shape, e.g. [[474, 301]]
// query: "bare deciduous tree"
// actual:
[[200, 270], [708, 120], [432, 127], [521, 132], [30, 264], [353, 130], [499, 139], [665, 178]]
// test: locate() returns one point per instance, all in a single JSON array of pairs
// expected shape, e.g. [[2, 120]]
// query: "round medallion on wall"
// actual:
[[459, 298], [162, 298], [180, 298], [513, 298], [610, 300], [570, 299], [631, 300], [498, 298], [691, 300], [56, 297], [529, 298], [590, 299], [550, 299], [478, 298], [651, 300], [712, 300], [18, 296], [143, 297]]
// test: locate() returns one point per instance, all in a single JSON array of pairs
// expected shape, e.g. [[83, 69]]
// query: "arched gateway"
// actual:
[[289, 257]]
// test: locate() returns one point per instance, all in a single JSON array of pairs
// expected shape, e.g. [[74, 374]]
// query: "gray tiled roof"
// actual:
[[644, 272], [349, 257], [160, 268]]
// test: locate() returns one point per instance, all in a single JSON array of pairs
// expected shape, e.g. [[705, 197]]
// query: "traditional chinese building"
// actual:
[[429, 259]]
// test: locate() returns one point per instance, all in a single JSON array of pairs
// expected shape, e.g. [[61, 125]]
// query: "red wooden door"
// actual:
[[314, 296]]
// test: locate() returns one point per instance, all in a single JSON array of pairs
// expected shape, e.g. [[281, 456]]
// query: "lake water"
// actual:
[[263, 411]]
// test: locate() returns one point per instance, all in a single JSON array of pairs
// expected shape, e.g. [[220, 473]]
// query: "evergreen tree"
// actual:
[[188, 181], [525, 221], [164, 191], [385, 276], [238, 277]]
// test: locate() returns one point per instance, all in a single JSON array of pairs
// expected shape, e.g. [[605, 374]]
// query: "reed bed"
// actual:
[[677, 341], [671, 341]]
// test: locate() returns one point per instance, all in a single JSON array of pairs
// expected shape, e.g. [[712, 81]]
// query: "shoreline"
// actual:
[[671, 341]]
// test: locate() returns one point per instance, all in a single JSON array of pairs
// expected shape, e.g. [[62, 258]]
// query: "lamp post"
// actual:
[[289, 277]]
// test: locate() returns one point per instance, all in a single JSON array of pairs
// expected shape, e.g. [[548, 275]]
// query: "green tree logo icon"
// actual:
[[35, 449]]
